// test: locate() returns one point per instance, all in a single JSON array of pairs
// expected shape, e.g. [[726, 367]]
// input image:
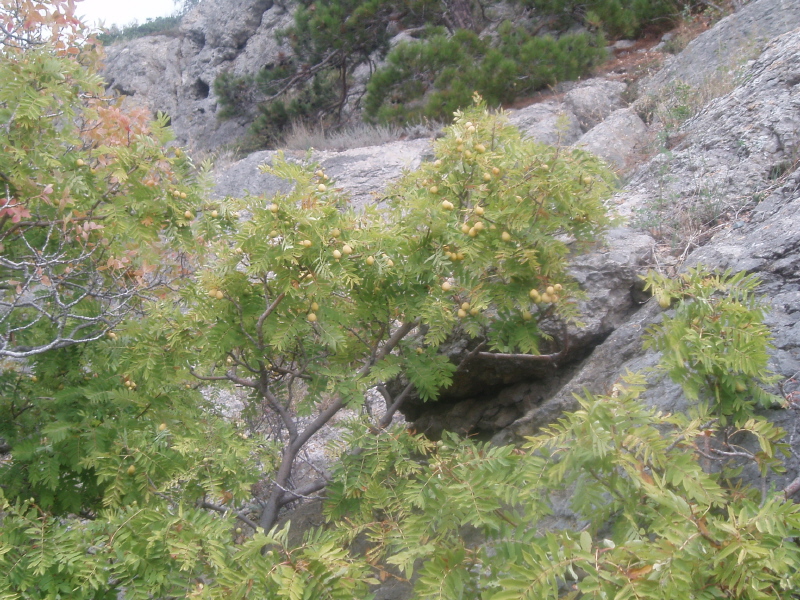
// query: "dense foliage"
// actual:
[[431, 78], [119, 478], [619, 18]]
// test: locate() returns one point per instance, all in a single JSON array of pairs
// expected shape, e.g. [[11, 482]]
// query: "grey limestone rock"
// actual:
[[619, 140], [595, 100], [363, 172], [735, 38], [175, 72], [550, 122]]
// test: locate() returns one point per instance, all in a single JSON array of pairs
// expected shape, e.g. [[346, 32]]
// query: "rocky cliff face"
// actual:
[[175, 72]]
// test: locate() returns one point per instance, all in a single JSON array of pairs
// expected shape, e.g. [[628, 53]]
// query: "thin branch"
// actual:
[[223, 510], [391, 410]]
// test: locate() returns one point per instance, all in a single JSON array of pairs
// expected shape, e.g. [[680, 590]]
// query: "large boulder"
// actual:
[[620, 140], [363, 172]]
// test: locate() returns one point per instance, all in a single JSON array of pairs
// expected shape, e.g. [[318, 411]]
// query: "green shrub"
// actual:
[[618, 18], [431, 78], [234, 93]]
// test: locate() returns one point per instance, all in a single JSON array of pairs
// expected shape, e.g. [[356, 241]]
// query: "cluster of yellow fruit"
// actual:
[[129, 383], [345, 251], [549, 296], [454, 256], [467, 309], [214, 293], [472, 230]]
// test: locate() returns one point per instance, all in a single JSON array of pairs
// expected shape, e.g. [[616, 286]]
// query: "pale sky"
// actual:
[[123, 12]]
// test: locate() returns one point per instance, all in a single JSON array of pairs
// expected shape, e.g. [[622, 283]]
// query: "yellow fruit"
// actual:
[[390, 263], [471, 129], [239, 251], [319, 173], [370, 260], [479, 226], [518, 198], [162, 427], [460, 148], [337, 255], [467, 154], [112, 335], [554, 298], [314, 306], [80, 162], [460, 256], [274, 208], [474, 312], [311, 317], [480, 148], [322, 187], [550, 290], [212, 292], [132, 470], [546, 298], [465, 228], [468, 124], [238, 530], [420, 350], [479, 210], [437, 163], [587, 180], [472, 232], [335, 232], [526, 316], [558, 287], [188, 214], [545, 167], [487, 177], [446, 286], [183, 195], [465, 305], [663, 300], [495, 171], [462, 313], [534, 294], [214, 214], [505, 236], [740, 387], [433, 189], [306, 243], [34, 378], [347, 249], [459, 140], [492, 227], [447, 205], [219, 295]]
